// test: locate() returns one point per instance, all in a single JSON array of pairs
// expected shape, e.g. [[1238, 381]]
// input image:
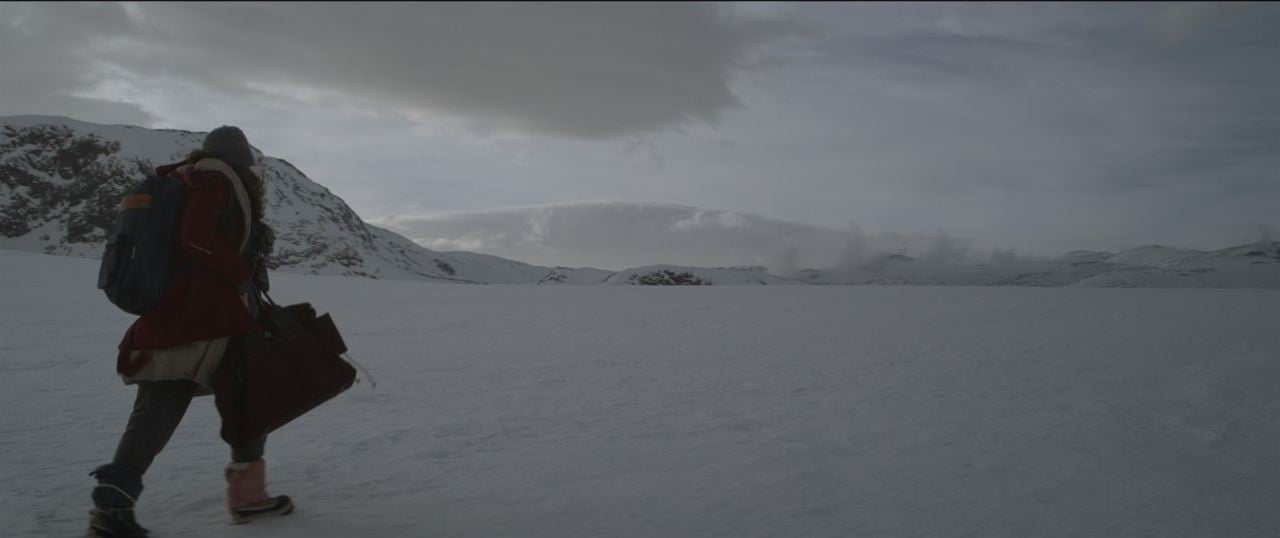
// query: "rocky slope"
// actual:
[[673, 275]]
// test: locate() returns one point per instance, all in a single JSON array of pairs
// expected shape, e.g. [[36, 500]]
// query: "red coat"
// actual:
[[202, 304]]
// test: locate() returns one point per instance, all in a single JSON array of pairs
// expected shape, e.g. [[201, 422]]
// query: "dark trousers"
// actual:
[[158, 409]]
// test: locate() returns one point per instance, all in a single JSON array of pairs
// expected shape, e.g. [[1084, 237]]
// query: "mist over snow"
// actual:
[[618, 235]]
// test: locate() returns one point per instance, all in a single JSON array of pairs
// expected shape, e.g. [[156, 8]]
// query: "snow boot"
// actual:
[[247, 498], [113, 499], [114, 523]]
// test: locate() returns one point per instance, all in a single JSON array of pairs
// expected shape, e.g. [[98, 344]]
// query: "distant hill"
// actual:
[[1153, 255], [673, 275], [1255, 265]]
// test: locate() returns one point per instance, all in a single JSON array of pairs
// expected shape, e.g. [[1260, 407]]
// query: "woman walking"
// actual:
[[172, 352]]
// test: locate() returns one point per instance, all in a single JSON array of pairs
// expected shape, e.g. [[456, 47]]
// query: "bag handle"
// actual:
[[266, 295], [373, 383]]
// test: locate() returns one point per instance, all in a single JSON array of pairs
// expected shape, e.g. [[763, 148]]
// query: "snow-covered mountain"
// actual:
[[674, 275], [60, 181], [1153, 255], [1255, 265], [1077, 256]]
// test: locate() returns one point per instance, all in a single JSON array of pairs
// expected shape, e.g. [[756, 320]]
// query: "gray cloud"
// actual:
[[44, 67], [1046, 127], [1062, 124], [582, 70]]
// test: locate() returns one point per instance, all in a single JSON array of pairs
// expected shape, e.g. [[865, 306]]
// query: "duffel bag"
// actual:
[[269, 378]]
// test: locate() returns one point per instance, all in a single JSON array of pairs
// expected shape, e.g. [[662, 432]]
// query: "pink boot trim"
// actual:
[[247, 487]]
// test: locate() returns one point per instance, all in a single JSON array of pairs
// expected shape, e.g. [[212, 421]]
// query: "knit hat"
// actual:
[[229, 144]]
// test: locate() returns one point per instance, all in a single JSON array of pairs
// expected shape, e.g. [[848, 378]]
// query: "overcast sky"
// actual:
[[1039, 126]]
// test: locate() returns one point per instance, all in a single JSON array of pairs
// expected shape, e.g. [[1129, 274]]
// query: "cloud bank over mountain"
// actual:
[[618, 235]]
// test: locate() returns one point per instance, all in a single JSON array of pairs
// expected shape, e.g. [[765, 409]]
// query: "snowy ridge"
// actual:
[[496, 270], [1255, 265], [1153, 255], [675, 275], [1077, 256]]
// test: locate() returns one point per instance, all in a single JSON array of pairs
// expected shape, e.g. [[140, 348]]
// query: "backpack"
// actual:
[[137, 266]]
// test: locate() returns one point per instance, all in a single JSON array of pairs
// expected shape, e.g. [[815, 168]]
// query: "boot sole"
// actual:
[[248, 516], [99, 530]]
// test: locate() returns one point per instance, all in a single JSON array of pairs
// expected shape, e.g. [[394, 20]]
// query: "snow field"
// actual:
[[702, 411]]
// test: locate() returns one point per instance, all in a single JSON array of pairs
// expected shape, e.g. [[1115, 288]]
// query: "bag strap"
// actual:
[[241, 194]]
